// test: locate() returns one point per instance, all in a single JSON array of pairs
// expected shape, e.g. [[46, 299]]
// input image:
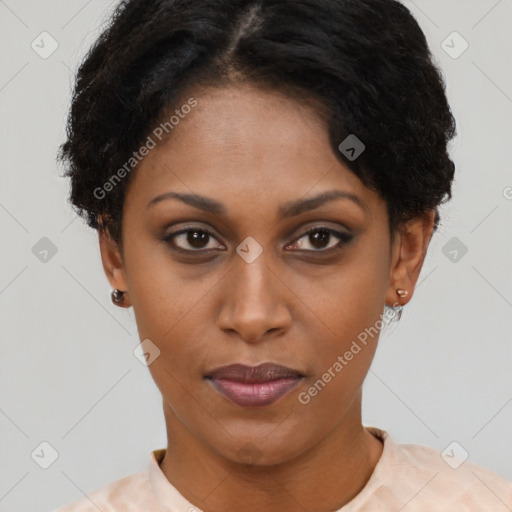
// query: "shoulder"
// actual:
[[452, 481], [131, 493], [419, 478]]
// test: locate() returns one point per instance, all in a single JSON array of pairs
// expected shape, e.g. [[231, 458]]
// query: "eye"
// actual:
[[321, 239], [191, 240]]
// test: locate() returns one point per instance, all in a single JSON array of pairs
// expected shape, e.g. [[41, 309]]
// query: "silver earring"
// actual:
[[398, 311]]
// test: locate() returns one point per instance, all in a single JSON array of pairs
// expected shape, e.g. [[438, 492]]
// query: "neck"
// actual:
[[325, 477]]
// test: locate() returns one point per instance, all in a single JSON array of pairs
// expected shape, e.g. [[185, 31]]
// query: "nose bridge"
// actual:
[[252, 276], [253, 302]]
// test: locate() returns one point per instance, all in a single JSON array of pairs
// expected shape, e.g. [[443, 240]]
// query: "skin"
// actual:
[[254, 150]]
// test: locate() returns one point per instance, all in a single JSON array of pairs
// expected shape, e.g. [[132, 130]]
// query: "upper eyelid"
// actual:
[[341, 235], [334, 231]]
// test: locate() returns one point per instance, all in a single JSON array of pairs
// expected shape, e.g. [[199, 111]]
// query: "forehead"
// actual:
[[246, 142]]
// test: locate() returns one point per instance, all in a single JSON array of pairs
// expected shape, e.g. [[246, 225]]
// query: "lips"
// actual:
[[261, 373], [250, 386]]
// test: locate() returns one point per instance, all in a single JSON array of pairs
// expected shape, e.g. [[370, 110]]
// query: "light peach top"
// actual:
[[407, 477]]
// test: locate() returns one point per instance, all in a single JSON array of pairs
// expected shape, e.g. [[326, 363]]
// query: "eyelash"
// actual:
[[344, 238]]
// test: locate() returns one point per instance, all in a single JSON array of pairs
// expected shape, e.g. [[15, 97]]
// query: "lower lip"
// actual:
[[256, 393]]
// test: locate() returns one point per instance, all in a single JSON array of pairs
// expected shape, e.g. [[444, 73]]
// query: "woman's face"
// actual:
[[257, 288]]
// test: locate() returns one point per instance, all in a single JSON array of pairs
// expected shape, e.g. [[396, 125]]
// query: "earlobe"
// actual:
[[113, 266]]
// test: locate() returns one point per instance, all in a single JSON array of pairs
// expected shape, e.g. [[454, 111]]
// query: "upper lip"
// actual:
[[261, 373]]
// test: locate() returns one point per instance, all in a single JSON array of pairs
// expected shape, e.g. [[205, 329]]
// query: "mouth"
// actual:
[[254, 386]]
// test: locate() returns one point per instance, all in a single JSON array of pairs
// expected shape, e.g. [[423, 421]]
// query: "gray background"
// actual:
[[67, 372]]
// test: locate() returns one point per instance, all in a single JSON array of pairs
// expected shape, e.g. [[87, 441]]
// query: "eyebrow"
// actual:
[[289, 209]]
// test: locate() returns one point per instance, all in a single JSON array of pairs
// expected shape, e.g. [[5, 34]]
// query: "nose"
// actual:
[[254, 301]]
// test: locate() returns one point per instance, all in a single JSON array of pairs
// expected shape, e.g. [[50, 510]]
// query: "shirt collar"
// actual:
[[166, 495]]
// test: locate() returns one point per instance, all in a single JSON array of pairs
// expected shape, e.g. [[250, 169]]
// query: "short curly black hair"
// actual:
[[364, 64]]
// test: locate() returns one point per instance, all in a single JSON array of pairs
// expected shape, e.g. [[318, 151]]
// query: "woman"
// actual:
[[264, 177]]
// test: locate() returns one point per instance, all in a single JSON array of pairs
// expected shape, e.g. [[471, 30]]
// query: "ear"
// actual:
[[408, 253], [113, 264]]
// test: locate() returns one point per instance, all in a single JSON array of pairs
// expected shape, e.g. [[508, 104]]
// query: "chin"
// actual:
[[263, 448]]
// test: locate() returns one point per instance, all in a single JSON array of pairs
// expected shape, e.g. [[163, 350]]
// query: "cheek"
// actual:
[[345, 317], [157, 291], [348, 298]]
